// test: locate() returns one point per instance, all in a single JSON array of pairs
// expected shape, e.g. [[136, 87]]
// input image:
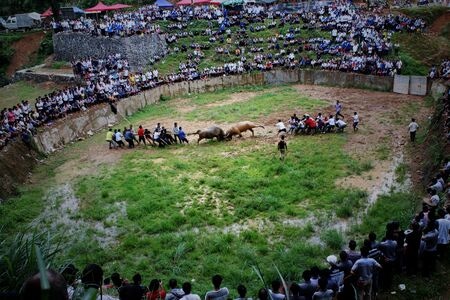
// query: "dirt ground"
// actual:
[[376, 111], [23, 49], [440, 23]]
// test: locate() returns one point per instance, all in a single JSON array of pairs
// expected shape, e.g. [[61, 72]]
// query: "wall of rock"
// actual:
[[138, 49]]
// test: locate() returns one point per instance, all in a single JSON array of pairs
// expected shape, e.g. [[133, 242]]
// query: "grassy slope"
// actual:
[[421, 51], [13, 93]]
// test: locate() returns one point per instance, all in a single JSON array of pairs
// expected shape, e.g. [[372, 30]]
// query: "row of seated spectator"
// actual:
[[358, 41]]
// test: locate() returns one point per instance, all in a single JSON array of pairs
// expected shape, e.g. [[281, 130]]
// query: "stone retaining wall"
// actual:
[[34, 75], [97, 118], [138, 49]]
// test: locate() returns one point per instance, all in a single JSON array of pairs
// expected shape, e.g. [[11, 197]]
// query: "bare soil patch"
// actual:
[[23, 50], [440, 23], [235, 98]]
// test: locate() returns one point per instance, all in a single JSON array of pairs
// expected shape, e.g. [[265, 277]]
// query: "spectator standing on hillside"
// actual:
[[307, 288], [412, 128], [175, 292], [187, 288], [364, 269], [276, 291], [218, 293], [31, 288], [156, 290], [430, 237], [282, 147], [323, 293], [242, 291], [134, 291]]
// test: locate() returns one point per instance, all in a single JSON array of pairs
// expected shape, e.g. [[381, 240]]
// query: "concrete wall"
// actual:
[[97, 118], [35, 76], [138, 49]]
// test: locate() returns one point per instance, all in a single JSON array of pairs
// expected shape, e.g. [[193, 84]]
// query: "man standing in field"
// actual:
[[338, 108], [282, 147], [412, 127]]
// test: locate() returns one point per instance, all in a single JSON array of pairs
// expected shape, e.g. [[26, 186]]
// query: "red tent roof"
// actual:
[[47, 13], [99, 7], [194, 2], [119, 6]]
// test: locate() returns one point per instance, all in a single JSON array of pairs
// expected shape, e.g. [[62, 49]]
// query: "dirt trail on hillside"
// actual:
[[440, 23], [23, 50]]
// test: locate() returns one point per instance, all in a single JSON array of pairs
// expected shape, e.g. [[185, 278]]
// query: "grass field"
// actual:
[[195, 210], [14, 93]]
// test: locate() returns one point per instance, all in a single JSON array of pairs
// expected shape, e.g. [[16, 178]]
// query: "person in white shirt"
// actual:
[[280, 126], [412, 127], [444, 233], [187, 288], [355, 121], [218, 293], [340, 124], [330, 124]]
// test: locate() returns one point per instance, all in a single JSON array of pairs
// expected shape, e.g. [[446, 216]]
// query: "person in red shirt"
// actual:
[[156, 290], [141, 135], [311, 125]]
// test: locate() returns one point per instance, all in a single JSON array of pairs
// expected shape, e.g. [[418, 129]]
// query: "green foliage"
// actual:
[[269, 102], [18, 259], [420, 51], [400, 172], [6, 53], [429, 14], [58, 64], [395, 206], [21, 90], [333, 239]]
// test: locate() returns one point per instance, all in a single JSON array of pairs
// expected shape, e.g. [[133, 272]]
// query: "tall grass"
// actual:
[[18, 259]]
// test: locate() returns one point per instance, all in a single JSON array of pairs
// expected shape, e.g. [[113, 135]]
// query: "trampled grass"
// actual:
[[258, 106]]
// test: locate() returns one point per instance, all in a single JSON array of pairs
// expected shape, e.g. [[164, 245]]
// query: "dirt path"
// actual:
[[440, 23], [23, 49]]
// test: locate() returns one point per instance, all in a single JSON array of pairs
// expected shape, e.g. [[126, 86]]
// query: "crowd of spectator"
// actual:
[[358, 40], [441, 71]]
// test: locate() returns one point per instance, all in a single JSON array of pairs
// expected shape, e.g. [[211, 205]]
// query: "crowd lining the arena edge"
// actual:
[[357, 272], [359, 41]]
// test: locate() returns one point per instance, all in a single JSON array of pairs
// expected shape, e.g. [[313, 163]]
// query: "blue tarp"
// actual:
[[163, 3], [78, 10]]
